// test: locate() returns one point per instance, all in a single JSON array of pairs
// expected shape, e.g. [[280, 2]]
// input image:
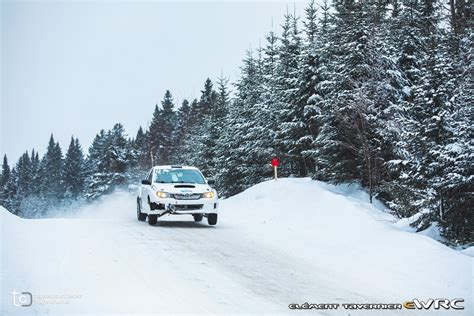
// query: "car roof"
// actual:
[[175, 167]]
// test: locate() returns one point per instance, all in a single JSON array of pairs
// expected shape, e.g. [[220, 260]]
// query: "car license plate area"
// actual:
[[187, 207]]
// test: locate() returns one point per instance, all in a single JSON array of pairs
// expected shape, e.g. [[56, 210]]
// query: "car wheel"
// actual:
[[212, 219], [152, 219], [140, 216], [197, 217]]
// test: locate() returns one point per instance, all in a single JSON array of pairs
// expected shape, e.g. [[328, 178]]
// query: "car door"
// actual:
[[145, 189]]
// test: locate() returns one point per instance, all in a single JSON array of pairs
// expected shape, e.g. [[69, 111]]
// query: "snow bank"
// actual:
[[350, 241], [6, 216], [468, 251]]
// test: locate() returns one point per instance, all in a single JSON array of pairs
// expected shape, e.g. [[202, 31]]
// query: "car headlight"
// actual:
[[162, 195], [208, 195]]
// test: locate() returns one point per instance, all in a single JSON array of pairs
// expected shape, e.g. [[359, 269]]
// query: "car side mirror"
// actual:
[[146, 182], [211, 182]]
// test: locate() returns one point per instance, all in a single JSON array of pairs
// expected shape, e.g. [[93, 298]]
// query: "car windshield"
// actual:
[[178, 176]]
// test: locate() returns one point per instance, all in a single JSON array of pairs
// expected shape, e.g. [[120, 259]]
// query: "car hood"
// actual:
[[181, 187]]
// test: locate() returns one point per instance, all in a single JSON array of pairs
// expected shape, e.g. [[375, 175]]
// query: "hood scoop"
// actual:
[[184, 186]]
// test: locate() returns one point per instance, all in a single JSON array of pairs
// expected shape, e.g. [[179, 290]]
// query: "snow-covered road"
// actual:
[[293, 241]]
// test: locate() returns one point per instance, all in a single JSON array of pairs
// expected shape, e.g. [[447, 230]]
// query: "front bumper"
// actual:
[[173, 206]]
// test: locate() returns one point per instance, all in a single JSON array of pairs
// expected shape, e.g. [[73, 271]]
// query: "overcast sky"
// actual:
[[73, 68]]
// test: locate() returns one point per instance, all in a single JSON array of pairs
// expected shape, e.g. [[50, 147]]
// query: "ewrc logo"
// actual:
[[435, 303], [438, 303]]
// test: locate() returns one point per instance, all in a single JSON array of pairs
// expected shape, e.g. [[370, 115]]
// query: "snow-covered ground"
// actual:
[[290, 241]]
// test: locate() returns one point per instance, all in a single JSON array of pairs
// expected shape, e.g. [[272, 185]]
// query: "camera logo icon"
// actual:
[[23, 299]]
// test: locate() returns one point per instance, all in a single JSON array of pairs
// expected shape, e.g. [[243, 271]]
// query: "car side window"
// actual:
[[150, 176]]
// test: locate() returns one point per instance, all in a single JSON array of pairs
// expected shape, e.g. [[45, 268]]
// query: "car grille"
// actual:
[[189, 196], [187, 207]]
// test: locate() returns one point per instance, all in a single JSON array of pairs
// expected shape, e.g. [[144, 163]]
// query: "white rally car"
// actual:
[[177, 190]]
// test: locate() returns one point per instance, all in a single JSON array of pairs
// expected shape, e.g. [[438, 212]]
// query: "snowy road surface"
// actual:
[[292, 241]]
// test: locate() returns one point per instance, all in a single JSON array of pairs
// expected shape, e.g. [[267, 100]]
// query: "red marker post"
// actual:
[[275, 164]]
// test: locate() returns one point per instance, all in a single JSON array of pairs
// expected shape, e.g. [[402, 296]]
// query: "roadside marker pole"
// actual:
[[275, 163]]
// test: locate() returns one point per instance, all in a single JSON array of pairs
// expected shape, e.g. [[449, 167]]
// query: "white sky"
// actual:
[[73, 68]]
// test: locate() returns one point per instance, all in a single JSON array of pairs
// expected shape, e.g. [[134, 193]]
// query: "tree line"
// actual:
[[378, 93]]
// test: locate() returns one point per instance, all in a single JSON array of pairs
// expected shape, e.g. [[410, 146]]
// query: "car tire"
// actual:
[[197, 217], [140, 216], [152, 219], [212, 219]]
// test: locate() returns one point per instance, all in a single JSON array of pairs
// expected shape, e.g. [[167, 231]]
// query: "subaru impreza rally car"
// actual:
[[177, 190]]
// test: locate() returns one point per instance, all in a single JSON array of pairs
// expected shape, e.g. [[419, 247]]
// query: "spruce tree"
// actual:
[[240, 143], [201, 141], [183, 117], [6, 172], [118, 151], [216, 123], [35, 172], [316, 84], [4, 179], [308, 79], [161, 133], [51, 185], [11, 198], [25, 186], [139, 146], [97, 176], [109, 161], [24, 174], [291, 122], [73, 175]]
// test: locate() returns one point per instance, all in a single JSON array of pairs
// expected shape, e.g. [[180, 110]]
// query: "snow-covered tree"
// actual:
[[292, 127], [51, 167], [74, 173], [109, 160], [161, 133], [140, 149], [6, 172]]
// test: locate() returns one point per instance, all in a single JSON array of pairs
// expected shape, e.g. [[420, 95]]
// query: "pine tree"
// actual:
[[425, 128], [96, 160], [441, 140], [118, 151], [97, 167], [11, 198], [213, 124], [140, 148], [337, 162], [183, 124], [51, 185], [109, 161], [240, 143], [291, 122], [201, 140], [4, 179], [168, 129], [24, 174], [316, 85], [456, 185], [216, 123], [6, 172], [35, 170], [24, 187], [73, 175], [161, 133], [268, 112], [308, 79], [19, 187]]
